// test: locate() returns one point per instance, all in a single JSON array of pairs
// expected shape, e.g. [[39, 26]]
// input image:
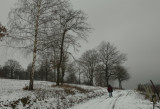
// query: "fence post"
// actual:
[[155, 90]]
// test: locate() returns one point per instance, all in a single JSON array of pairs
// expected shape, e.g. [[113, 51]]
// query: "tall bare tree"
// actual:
[[72, 26], [121, 74], [110, 57], [90, 60], [31, 21]]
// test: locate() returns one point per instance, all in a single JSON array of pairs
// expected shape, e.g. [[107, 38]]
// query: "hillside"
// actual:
[[48, 96]]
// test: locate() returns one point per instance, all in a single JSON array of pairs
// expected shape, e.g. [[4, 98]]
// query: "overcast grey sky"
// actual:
[[133, 26]]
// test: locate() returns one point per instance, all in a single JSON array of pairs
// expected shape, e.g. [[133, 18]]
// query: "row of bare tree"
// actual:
[[102, 64], [12, 69], [45, 27], [88, 69], [49, 29]]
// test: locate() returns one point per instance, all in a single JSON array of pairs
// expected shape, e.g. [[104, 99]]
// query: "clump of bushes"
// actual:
[[24, 101], [149, 91], [70, 89]]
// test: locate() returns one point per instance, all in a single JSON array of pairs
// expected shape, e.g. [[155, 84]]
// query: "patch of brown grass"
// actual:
[[69, 89]]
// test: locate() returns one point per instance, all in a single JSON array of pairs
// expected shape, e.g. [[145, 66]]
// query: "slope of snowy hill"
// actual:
[[45, 95], [48, 96]]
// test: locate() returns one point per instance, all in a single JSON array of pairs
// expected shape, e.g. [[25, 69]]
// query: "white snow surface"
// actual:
[[46, 97], [122, 99]]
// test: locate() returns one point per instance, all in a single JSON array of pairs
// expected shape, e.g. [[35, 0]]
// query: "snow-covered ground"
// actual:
[[12, 96], [45, 95], [124, 99]]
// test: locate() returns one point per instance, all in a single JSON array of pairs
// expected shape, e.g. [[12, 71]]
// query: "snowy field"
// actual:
[[125, 99], [47, 96]]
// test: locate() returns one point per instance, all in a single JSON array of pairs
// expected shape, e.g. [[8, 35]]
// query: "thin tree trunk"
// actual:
[[62, 78], [46, 70], [11, 74], [34, 50], [79, 78], [92, 79], [107, 78], [120, 84], [54, 67], [55, 71]]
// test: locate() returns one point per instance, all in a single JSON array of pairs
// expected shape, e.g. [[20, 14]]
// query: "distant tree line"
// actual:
[[101, 65], [95, 67]]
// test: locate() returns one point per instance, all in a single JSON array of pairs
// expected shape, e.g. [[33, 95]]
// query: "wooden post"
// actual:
[[155, 90]]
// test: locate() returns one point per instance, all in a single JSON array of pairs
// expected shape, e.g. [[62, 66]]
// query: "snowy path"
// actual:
[[127, 99]]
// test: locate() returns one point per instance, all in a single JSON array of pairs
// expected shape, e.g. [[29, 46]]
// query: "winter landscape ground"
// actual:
[[48, 96]]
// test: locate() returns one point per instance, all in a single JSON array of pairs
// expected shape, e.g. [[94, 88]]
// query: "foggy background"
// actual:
[[133, 26]]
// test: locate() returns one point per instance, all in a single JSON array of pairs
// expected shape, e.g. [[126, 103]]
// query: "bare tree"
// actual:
[[121, 75], [72, 26], [12, 66], [64, 66], [80, 70], [71, 77], [100, 76], [28, 70], [90, 61], [53, 62], [109, 57], [44, 63], [30, 24]]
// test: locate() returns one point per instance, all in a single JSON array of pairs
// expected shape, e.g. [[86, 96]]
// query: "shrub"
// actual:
[[26, 88]]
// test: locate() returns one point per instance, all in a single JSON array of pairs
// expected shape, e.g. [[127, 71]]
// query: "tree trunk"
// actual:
[[79, 78], [107, 80], [11, 74], [107, 77], [34, 49], [46, 70], [120, 84], [55, 71], [54, 67], [63, 67], [33, 69], [60, 59], [92, 82], [62, 78], [58, 72]]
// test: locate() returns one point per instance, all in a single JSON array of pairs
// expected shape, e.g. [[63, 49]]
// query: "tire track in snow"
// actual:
[[116, 101], [120, 96], [123, 99]]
